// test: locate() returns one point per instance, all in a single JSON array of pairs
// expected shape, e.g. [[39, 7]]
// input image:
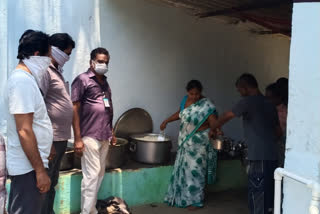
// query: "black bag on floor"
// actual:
[[112, 205]]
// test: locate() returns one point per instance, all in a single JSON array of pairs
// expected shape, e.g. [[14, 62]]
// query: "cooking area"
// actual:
[[148, 157], [139, 144]]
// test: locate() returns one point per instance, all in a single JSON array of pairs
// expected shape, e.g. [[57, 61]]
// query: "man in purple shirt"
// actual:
[[92, 125]]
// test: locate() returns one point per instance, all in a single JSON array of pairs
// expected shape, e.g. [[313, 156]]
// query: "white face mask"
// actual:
[[101, 68], [59, 56], [38, 65]]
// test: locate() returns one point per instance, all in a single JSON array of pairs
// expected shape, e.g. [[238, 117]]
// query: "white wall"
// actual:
[[50, 16], [81, 22], [303, 136], [155, 50]]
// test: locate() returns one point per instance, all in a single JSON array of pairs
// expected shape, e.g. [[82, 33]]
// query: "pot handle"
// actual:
[[133, 147]]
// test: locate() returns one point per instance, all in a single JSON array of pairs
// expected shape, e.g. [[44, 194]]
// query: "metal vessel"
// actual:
[[148, 149]]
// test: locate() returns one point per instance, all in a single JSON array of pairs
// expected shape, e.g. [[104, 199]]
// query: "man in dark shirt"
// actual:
[[92, 124], [261, 130]]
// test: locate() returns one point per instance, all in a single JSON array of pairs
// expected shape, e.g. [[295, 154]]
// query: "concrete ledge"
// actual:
[[139, 186]]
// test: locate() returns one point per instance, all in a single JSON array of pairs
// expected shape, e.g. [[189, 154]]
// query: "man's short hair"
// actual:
[[25, 33], [61, 40], [97, 51], [31, 42], [247, 80], [274, 89]]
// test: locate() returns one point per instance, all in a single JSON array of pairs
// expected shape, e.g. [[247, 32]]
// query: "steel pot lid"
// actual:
[[150, 138], [133, 121]]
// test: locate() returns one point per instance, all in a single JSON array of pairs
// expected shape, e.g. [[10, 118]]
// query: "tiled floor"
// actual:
[[230, 202]]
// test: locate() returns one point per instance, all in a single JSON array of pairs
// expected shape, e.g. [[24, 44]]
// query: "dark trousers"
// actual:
[[261, 186], [25, 197], [53, 173]]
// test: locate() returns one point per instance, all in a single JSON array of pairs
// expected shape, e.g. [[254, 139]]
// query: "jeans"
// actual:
[[53, 172], [261, 186], [25, 197]]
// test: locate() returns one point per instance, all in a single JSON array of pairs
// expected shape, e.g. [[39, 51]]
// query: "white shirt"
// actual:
[[23, 96]]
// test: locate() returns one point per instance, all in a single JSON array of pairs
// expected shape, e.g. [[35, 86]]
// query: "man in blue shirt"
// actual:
[[261, 131]]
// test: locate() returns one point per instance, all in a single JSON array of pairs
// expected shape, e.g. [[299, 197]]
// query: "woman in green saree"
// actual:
[[196, 159]]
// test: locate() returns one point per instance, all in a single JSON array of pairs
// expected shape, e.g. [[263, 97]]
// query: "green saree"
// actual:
[[196, 160]]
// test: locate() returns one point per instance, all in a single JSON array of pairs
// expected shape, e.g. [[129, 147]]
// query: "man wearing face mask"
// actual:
[[92, 125], [29, 128], [59, 106]]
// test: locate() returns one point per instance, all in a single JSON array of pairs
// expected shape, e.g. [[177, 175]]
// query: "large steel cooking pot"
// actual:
[[147, 148], [67, 160], [117, 154], [116, 157]]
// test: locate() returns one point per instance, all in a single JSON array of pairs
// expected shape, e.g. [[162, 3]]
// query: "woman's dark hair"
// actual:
[[284, 89], [194, 84], [247, 80], [274, 89], [283, 81], [97, 51], [61, 40], [31, 42]]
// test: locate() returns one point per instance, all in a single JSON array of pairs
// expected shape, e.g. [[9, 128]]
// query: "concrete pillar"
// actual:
[[3, 58], [303, 132]]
